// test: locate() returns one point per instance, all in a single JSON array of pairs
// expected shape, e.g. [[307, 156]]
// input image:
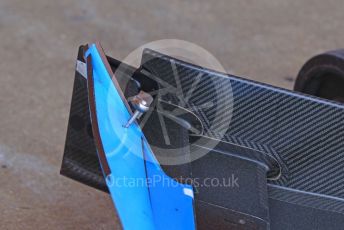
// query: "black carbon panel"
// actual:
[[305, 133], [80, 161]]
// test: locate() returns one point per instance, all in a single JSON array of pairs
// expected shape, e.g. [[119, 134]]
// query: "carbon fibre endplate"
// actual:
[[80, 161]]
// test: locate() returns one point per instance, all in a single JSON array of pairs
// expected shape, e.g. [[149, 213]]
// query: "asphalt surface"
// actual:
[[267, 41]]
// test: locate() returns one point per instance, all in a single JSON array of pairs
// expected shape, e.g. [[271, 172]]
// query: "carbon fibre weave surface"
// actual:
[[305, 134], [80, 161]]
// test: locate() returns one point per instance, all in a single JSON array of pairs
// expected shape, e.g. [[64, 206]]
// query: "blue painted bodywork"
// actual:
[[144, 196]]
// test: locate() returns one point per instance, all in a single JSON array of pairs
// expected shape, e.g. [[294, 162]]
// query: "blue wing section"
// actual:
[[172, 202], [144, 196]]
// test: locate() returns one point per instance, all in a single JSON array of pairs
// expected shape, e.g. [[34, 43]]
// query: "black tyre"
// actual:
[[323, 76]]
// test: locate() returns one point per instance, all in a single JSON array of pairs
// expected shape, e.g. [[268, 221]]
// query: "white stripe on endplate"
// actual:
[[188, 192], [81, 68]]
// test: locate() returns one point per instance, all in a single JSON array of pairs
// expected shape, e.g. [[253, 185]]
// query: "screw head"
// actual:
[[142, 101]]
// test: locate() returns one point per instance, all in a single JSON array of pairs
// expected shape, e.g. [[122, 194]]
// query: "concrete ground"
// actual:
[[264, 40]]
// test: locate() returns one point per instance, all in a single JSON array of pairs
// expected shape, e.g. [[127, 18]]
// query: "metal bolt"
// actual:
[[141, 103]]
